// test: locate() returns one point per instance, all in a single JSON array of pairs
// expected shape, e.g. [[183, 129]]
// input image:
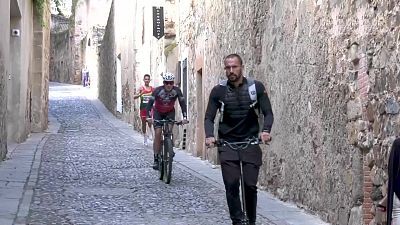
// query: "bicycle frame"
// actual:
[[167, 129], [166, 153], [167, 126]]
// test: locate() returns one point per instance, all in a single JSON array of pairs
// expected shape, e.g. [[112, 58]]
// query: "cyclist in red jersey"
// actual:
[[164, 98], [144, 93]]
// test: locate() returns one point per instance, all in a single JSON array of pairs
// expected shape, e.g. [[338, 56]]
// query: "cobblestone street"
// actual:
[[92, 172]]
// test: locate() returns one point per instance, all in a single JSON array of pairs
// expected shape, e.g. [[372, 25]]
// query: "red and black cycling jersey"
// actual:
[[164, 101]]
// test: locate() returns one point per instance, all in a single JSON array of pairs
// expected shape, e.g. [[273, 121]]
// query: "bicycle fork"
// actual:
[[245, 220]]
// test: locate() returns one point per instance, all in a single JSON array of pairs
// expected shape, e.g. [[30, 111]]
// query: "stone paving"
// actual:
[[92, 173], [91, 168]]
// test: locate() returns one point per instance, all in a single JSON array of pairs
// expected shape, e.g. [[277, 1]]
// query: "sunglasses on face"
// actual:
[[168, 82]]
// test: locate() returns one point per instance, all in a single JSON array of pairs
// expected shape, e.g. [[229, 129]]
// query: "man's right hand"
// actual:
[[210, 141]]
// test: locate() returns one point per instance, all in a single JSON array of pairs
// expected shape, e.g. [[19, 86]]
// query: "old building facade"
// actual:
[[331, 72], [61, 54], [129, 51], [24, 70], [76, 34], [330, 69]]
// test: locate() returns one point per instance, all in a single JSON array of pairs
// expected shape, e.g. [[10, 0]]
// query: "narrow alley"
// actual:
[[92, 168], [79, 80], [93, 172]]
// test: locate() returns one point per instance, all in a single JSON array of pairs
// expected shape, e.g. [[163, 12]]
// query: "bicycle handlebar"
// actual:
[[236, 145], [169, 121]]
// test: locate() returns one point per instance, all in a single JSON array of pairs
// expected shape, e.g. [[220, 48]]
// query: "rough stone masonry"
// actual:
[[331, 69]]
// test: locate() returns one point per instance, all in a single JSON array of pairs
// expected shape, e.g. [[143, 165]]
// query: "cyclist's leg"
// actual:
[[231, 175], [171, 115], [157, 138]]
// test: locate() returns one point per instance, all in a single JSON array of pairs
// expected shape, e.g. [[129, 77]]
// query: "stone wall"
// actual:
[[80, 37], [39, 73], [24, 59], [3, 106], [18, 83], [61, 59], [126, 48], [190, 50], [331, 70], [107, 65], [4, 65], [118, 58]]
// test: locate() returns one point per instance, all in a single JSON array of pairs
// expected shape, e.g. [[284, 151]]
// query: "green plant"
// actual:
[[40, 6], [73, 12], [58, 6], [168, 49]]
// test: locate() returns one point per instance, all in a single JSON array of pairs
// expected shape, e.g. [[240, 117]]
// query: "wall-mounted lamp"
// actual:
[[15, 32]]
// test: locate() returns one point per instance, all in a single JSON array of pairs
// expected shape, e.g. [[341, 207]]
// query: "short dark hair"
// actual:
[[146, 75], [234, 56]]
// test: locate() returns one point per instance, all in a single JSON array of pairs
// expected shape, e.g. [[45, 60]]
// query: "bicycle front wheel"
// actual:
[[168, 158]]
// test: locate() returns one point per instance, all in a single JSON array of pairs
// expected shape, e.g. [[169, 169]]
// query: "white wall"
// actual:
[[4, 71], [18, 125]]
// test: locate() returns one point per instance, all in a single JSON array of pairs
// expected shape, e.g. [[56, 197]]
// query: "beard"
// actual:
[[233, 77]]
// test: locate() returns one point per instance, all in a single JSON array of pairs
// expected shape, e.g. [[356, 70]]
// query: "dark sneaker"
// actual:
[[155, 165]]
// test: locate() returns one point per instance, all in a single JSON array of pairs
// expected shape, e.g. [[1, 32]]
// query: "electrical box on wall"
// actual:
[[15, 32]]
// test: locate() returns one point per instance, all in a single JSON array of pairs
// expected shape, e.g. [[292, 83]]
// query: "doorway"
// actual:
[[118, 80], [200, 143]]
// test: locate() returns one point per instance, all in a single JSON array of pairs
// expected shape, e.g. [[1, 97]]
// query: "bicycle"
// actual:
[[238, 146], [165, 158]]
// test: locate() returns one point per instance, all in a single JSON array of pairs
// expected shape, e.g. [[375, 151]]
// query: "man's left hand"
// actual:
[[150, 120], [185, 121], [265, 137]]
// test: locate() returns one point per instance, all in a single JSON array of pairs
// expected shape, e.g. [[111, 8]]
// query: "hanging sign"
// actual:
[[158, 22]]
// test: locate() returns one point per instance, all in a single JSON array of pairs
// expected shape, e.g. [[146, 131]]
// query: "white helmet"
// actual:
[[168, 76]]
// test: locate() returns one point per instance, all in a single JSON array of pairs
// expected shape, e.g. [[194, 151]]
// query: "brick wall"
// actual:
[[367, 188]]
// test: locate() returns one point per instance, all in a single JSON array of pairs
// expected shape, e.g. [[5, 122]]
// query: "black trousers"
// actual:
[[231, 176]]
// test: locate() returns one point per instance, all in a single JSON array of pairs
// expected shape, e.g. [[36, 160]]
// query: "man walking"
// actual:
[[240, 101]]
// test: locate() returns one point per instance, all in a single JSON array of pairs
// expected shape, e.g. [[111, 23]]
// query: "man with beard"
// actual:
[[240, 100]]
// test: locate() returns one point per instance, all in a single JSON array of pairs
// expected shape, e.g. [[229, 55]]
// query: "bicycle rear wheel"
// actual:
[[168, 158]]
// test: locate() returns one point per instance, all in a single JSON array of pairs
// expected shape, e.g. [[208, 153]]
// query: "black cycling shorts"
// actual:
[[159, 116]]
